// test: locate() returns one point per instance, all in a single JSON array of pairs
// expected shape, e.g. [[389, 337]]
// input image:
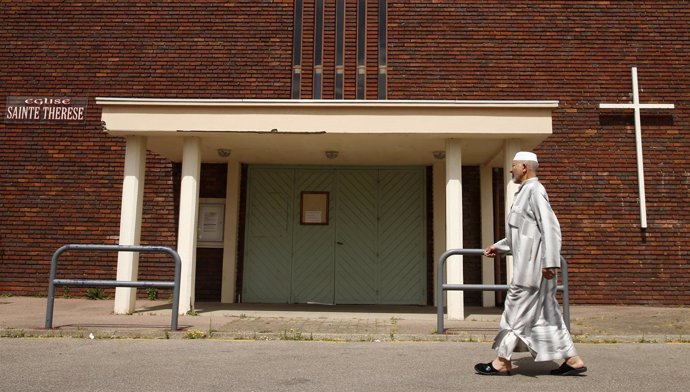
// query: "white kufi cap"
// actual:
[[525, 156]]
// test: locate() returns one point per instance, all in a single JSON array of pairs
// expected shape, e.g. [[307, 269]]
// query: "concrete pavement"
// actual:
[[25, 316]]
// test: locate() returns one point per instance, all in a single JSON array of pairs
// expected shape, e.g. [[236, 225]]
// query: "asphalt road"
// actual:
[[217, 365]]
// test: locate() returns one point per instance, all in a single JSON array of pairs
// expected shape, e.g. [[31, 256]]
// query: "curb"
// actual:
[[292, 335], [613, 339]]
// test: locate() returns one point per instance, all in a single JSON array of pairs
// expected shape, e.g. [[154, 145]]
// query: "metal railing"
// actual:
[[175, 285], [441, 287]]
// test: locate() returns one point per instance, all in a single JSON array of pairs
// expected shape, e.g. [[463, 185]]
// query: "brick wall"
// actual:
[[580, 53], [61, 183], [209, 261], [472, 231]]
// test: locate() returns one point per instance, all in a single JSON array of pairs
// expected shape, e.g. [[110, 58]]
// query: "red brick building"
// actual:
[[326, 63]]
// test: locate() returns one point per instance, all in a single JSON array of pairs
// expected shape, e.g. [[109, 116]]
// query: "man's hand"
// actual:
[[549, 273], [490, 251]]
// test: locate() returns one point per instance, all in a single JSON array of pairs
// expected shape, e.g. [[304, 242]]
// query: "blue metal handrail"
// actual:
[[175, 285], [440, 287]]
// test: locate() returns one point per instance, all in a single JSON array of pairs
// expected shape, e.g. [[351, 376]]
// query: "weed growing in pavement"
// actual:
[[394, 328], [195, 334], [588, 339], [12, 333], [95, 293], [295, 335], [152, 293], [210, 327], [643, 339]]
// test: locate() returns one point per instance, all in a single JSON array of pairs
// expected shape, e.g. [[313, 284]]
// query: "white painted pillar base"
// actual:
[[130, 221], [189, 210], [487, 213], [232, 208], [512, 146], [439, 229], [454, 265]]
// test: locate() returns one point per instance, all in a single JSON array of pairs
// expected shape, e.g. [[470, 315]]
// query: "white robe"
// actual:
[[532, 318]]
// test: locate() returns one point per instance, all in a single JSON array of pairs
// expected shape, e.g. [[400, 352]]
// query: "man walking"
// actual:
[[531, 320]]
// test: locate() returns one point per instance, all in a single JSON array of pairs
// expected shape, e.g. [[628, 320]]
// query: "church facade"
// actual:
[[316, 151]]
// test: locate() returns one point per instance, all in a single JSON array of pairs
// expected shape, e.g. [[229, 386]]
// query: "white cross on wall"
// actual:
[[637, 106]]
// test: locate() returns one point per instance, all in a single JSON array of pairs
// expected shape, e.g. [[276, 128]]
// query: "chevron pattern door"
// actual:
[[313, 245], [268, 253], [402, 239], [356, 264], [372, 251]]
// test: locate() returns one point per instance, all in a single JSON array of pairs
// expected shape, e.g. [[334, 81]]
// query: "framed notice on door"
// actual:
[[314, 208]]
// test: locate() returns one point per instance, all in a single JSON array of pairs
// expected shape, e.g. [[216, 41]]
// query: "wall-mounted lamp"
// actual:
[[331, 154], [439, 154], [224, 152]]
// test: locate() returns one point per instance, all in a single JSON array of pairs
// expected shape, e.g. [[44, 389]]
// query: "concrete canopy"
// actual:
[[300, 131], [294, 132]]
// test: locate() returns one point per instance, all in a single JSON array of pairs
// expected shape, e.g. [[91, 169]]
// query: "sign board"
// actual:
[[45, 109], [211, 223], [314, 208]]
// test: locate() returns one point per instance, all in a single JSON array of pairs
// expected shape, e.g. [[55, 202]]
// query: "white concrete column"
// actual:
[[232, 209], [512, 146], [454, 265], [130, 221], [487, 214], [439, 203], [189, 211]]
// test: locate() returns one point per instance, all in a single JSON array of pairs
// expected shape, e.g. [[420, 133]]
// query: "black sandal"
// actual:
[[487, 369], [567, 370]]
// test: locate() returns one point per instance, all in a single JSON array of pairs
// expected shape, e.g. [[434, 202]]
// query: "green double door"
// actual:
[[370, 250]]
